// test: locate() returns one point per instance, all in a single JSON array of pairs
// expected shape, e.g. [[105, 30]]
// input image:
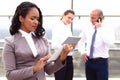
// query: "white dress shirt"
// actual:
[[105, 38], [60, 32], [28, 37]]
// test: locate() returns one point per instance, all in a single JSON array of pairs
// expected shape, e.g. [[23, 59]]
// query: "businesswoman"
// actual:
[[26, 51]]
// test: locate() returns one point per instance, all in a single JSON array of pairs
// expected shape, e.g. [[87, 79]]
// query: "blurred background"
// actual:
[[52, 11]]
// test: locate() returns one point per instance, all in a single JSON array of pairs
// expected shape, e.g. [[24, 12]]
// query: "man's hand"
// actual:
[[84, 57]]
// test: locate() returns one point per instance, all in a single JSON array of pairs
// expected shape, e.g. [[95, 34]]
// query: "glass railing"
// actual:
[[79, 65], [76, 27]]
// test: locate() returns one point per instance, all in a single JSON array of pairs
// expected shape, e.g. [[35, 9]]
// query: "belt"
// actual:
[[97, 59]]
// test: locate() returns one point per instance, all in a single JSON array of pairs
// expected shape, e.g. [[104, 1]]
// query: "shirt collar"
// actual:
[[25, 34]]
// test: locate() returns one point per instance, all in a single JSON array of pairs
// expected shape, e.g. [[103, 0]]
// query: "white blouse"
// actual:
[[28, 37], [60, 32]]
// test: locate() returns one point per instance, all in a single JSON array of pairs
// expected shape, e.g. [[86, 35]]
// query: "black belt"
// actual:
[[97, 59]]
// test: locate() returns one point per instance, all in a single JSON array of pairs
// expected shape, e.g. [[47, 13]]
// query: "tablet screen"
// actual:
[[71, 40]]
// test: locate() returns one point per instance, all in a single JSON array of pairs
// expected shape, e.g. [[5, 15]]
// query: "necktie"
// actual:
[[92, 43]]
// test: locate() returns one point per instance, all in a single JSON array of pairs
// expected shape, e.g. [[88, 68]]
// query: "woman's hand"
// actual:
[[74, 46], [66, 49], [41, 63]]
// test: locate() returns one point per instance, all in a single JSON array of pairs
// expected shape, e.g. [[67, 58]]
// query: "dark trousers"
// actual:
[[97, 69], [65, 73]]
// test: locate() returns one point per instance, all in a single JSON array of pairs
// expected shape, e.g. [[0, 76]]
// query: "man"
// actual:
[[98, 39]]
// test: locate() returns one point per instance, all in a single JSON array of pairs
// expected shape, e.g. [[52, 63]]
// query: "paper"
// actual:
[[71, 40]]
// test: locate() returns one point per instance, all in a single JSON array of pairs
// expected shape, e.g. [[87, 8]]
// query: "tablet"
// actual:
[[71, 40], [55, 55]]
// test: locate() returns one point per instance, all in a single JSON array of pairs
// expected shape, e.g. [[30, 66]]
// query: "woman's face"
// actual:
[[30, 22], [67, 19]]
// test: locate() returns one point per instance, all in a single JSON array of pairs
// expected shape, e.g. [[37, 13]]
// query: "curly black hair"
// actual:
[[22, 10]]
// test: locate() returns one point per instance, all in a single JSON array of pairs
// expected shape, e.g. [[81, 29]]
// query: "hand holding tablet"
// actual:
[[70, 40]]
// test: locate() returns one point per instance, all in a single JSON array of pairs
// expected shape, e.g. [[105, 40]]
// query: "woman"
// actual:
[[62, 30], [26, 52]]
